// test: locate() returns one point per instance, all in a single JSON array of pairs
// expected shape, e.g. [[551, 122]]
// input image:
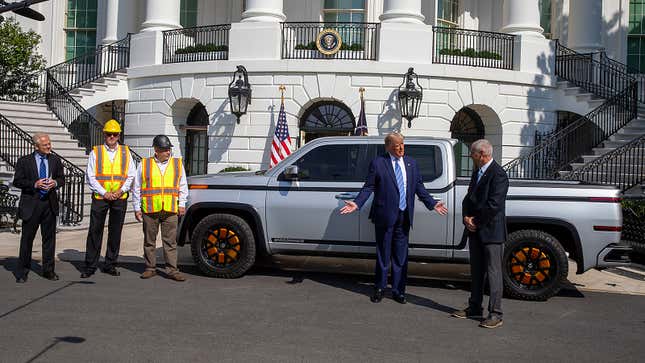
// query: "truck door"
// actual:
[[429, 235], [304, 214]]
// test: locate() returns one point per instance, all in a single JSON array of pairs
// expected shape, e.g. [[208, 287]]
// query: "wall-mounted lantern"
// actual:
[[239, 92], [410, 97]]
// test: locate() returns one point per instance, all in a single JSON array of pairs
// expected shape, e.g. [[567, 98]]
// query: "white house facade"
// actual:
[[487, 68]]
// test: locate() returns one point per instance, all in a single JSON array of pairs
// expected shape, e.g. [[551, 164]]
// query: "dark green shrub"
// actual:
[[229, 169]]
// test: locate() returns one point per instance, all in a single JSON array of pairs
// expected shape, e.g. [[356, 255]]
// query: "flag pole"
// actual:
[[361, 91], [282, 88]]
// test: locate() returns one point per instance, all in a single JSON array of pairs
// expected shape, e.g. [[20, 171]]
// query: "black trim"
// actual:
[[306, 188], [355, 243], [545, 184], [557, 222], [556, 199], [217, 207]]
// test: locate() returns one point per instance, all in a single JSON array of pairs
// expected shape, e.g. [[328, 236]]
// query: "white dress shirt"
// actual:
[[483, 169], [401, 163], [90, 172], [136, 190]]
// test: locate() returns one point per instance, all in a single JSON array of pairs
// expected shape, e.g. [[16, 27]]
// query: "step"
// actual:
[[569, 91], [623, 136], [83, 92], [594, 103], [622, 164], [42, 122], [110, 81], [28, 114], [99, 86], [610, 144], [22, 106], [581, 97]]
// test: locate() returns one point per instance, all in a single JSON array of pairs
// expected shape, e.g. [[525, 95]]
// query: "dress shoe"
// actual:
[[53, 276], [87, 274], [177, 276], [492, 322], [468, 313], [21, 279], [400, 298], [377, 296], [148, 274], [111, 271]]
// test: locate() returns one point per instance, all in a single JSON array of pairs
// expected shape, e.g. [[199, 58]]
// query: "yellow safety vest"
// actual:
[[160, 192], [111, 174]]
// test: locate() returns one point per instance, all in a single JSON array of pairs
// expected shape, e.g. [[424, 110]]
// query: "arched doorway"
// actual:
[[326, 118], [467, 127], [196, 153]]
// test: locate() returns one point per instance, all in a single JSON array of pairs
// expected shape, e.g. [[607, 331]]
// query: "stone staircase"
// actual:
[[36, 117], [111, 87]]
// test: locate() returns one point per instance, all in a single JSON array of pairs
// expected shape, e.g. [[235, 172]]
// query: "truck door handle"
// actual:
[[346, 196]]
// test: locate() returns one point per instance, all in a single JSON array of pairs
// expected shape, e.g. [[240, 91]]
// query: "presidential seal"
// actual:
[[328, 42]]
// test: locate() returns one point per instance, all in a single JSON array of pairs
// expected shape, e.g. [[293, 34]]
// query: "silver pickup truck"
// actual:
[[294, 209]]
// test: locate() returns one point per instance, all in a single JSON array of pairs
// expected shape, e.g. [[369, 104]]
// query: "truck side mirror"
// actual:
[[291, 172]]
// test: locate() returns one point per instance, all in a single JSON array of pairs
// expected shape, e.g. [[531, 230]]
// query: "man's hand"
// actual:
[[42, 184], [181, 211], [349, 207], [109, 196], [441, 208], [470, 224], [138, 215]]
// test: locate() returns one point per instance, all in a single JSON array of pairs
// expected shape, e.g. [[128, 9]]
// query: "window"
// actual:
[[428, 159], [332, 163], [448, 13], [545, 17], [635, 37], [467, 127], [80, 28], [352, 11], [188, 13]]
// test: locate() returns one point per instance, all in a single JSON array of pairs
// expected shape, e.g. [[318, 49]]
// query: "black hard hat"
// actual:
[[161, 141]]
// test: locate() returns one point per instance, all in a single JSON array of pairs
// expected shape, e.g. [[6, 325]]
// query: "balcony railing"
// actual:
[[359, 41], [630, 71], [202, 43], [473, 48], [30, 88]]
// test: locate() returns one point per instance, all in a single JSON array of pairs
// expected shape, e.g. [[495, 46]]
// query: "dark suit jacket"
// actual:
[[26, 176], [486, 201], [382, 182]]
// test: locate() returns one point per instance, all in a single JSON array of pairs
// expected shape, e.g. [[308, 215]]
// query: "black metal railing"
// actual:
[[473, 48], [202, 43], [623, 166], [359, 41], [634, 222], [30, 88], [555, 151], [583, 70], [631, 71], [106, 59], [15, 142]]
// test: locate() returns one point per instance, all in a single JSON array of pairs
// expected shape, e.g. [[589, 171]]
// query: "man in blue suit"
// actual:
[[394, 179]]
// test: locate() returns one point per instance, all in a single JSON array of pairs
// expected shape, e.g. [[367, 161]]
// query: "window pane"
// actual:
[[358, 4], [344, 17], [345, 4], [358, 17], [81, 4], [338, 163], [330, 17], [331, 4], [428, 159]]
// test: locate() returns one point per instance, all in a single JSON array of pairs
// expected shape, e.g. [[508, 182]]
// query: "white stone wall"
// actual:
[[511, 112]]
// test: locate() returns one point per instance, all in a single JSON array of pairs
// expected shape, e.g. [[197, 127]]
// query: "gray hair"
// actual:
[[37, 136], [483, 146], [393, 136]]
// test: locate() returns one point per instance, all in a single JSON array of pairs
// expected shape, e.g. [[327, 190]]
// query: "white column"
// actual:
[[263, 10], [161, 15], [402, 11], [522, 17], [111, 21], [585, 25]]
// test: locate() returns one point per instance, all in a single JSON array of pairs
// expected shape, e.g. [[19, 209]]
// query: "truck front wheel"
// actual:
[[535, 265], [223, 245]]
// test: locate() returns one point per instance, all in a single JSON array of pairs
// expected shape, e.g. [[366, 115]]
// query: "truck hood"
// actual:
[[232, 178]]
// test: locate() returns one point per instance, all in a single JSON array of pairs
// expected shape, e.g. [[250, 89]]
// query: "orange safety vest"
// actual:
[[111, 174], [160, 192]]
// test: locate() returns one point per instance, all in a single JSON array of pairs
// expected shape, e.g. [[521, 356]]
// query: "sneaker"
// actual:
[[177, 276], [148, 274], [492, 322], [468, 313]]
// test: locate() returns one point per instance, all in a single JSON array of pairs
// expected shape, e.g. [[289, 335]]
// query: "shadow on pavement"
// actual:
[[67, 339]]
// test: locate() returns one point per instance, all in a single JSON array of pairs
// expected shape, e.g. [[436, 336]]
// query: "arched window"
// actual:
[[327, 118], [196, 155], [466, 127]]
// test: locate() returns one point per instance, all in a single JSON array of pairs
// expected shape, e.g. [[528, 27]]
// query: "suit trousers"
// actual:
[[98, 213], [168, 223], [43, 216], [486, 260], [392, 248]]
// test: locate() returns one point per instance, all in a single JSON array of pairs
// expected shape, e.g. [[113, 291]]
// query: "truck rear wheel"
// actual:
[[223, 245], [535, 265]]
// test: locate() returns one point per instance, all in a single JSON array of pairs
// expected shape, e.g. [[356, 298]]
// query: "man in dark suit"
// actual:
[[38, 175], [485, 219], [395, 180]]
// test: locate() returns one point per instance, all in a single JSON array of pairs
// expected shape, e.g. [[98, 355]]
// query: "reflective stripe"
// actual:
[[160, 192], [111, 174]]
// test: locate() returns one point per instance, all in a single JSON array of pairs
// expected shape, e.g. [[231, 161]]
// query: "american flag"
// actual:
[[281, 146], [361, 125]]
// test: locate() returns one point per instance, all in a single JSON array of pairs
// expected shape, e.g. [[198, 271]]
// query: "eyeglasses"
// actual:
[[111, 134]]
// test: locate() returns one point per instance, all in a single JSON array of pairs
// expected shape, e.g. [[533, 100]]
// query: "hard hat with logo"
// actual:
[[161, 141], [112, 126]]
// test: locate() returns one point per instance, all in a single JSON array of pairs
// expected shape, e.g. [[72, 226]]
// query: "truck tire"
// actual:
[[534, 265], [223, 246]]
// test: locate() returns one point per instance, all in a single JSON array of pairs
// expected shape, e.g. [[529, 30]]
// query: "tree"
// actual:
[[21, 66]]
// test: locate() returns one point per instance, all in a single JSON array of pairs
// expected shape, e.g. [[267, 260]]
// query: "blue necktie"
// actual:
[[42, 173], [401, 185], [479, 175]]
